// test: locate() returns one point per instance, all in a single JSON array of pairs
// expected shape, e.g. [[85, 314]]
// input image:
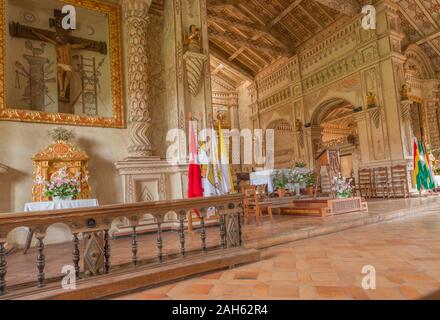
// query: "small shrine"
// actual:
[[58, 155]]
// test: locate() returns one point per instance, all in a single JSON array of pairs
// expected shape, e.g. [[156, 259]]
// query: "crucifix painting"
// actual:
[[64, 43], [57, 71]]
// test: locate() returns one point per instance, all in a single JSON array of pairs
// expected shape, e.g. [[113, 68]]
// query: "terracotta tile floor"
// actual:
[[404, 252], [22, 268]]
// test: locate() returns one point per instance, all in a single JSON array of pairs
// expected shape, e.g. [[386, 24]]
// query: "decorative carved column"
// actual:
[[364, 144], [313, 136], [139, 120], [145, 177]]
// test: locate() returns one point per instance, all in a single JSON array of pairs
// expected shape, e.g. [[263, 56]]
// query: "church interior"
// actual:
[[219, 149]]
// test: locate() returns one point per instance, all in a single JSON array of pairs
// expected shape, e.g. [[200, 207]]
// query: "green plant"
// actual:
[[279, 180], [310, 179], [300, 164]]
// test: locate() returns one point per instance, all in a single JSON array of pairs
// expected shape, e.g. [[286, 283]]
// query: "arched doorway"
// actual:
[[338, 131], [284, 137]]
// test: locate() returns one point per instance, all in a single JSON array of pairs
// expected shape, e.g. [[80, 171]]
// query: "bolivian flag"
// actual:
[[422, 177]]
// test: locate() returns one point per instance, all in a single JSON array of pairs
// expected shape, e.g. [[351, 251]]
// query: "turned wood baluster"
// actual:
[[3, 268], [239, 228], [203, 233], [222, 231], [41, 261], [182, 235], [76, 254], [107, 252], [134, 246], [159, 243]]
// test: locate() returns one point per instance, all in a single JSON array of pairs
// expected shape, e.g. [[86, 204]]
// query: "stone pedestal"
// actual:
[[152, 179]]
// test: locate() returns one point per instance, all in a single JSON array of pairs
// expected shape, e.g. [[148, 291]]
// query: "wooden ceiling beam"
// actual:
[[429, 38], [233, 67], [230, 21], [276, 35], [419, 31], [348, 7], [252, 27], [318, 23], [427, 14], [284, 13], [221, 3], [242, 41]]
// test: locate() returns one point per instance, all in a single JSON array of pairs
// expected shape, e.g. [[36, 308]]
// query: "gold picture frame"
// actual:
[[113, 12]]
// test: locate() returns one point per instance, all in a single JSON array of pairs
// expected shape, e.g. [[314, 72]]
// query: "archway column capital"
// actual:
[[136, 9]]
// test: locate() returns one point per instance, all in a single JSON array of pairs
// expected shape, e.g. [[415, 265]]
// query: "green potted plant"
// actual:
[[310, 182], [279, 182]]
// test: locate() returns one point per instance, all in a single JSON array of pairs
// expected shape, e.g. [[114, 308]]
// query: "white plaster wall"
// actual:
[[20, 141]]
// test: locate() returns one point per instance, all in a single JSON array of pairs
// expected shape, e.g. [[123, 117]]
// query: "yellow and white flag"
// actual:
[[226, 173]]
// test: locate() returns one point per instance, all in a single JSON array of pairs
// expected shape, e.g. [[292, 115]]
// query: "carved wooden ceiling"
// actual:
[[248, 35], [420, 20]]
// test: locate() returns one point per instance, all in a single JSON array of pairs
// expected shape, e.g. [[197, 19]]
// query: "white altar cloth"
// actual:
[[58, 205], [265, 177], [437, 181]]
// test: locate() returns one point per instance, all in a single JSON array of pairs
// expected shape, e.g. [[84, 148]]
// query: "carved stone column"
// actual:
[[136, 34]]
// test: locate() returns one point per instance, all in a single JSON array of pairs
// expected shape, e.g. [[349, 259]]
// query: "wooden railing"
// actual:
[[98, 221]]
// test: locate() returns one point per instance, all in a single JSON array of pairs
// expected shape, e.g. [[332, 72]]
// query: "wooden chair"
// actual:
[[365, 183], [399, 181], [381, 182], [252, 205]]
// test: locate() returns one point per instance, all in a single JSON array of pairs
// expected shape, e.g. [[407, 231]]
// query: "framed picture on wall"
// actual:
[[57, 70]]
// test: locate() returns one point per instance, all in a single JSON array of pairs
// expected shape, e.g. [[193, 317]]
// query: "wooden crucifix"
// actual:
[[64, 44]]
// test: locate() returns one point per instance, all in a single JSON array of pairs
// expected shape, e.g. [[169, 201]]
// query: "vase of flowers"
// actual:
[[279, 182], [297, 177], [342, 187], [61, 186]]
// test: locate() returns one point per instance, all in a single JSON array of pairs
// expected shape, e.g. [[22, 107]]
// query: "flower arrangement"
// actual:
[[341, 187], [297, 176], [61, 186]]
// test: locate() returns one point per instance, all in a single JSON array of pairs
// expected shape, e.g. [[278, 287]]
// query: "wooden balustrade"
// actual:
[[96, 222]]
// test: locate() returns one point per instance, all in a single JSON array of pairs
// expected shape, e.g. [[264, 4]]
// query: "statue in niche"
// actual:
[[371, 100], [193, 40], [404, 93]]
